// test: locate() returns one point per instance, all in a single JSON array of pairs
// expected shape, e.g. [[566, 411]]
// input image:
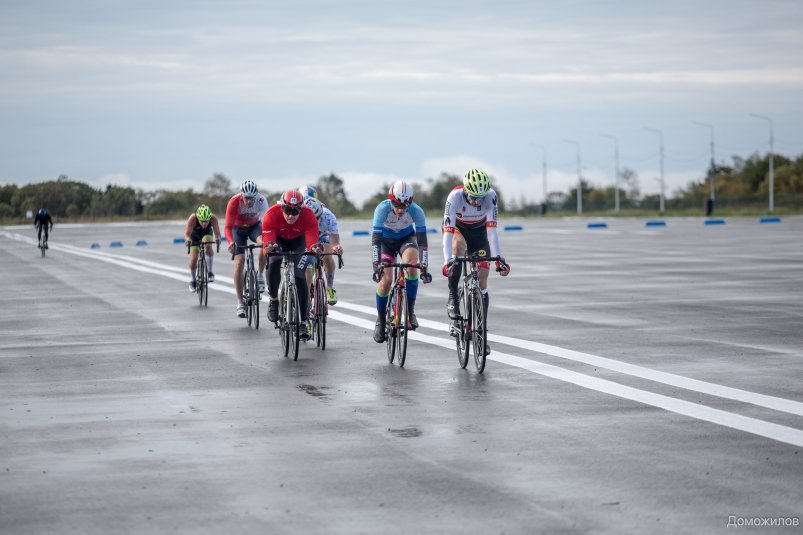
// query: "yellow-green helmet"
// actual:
[[476, 183], [203, 213]]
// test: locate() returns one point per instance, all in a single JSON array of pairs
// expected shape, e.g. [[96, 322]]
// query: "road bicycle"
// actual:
[[289, 318], [397, 316], [251, 293], [202, 271], [470, 328], [319, 304], [43, 243]]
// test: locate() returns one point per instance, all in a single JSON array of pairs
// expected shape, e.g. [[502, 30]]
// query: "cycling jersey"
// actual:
[[327, 224], [274, 226], [388, 226], [240, 215], [459, 214]]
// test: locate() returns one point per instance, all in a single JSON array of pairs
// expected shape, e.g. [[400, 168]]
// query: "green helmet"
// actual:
[[203, 213], [476, 183]]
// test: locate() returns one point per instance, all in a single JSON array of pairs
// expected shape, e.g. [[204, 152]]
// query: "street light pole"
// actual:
[[543, 176], [772, 169], [615, 168], [661, 160], [712, 172], [579, 177]]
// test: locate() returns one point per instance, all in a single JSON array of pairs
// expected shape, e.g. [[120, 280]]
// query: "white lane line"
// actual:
[[695, 385], [754, 426], [735, 421]]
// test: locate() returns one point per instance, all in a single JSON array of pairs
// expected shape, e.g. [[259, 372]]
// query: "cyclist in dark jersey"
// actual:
[[41, 221], [202, 226]]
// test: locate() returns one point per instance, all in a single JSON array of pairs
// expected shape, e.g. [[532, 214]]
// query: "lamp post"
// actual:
[[579, 177], [661, 162], [712, 173], [772, 169], [615, 168], [543, 176]]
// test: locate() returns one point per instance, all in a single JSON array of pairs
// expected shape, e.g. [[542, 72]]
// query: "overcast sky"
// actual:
[[162, 94]]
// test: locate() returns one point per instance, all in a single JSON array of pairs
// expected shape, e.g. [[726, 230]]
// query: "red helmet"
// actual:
[[401, 193], [292, 202]]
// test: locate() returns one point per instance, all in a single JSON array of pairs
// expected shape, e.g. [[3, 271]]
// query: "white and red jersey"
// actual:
[[240, 215], [459, 211]]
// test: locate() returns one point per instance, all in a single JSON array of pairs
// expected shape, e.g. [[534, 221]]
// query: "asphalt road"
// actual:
[[643, 379]]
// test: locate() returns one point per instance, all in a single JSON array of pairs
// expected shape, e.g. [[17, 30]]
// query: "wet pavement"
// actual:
[[641, 378]]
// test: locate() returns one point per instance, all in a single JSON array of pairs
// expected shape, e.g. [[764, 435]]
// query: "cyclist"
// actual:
[[41, 221], [309, 191], [469, 226], [400, 227], [329, 237], [202, 226], [243, 221], [289, 226]]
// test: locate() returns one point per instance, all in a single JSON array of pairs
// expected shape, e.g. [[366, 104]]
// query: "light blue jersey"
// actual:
[[390, 225]]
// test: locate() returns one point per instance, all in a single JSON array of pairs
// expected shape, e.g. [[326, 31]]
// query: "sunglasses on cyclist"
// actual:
[[291, 210], [400, 206], [474, 198]]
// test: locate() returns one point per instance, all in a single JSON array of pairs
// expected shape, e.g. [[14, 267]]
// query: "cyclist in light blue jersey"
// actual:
[[329, 237], [399, 228]]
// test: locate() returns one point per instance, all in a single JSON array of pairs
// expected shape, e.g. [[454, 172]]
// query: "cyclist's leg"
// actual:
[[240, 239], [209, 238], [458, 249], [410, 256], [477, 242], [39, 233], [388, 250]]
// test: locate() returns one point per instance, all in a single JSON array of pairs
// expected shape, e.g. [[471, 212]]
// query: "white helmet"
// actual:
[[249, 189], [308, 191], [401, 193]]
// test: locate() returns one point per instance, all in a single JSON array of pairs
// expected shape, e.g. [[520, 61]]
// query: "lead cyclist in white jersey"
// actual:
[[469, 227]]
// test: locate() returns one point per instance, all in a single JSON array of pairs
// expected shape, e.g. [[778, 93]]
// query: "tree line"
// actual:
[[745, 183]]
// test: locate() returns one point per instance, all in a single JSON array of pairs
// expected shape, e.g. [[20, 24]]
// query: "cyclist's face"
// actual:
[[249, 201], [204, 223], [291, 214], [399, 209], [473, 200]]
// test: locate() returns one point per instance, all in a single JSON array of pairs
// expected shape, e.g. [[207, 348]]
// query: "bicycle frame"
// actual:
[[319, 304], [397, 321], [251, 293], [471, 325], [201, 271], [289, 322]]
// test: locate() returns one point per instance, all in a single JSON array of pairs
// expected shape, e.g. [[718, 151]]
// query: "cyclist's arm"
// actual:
[[449, 222], [188, 227], [269, 226], [380, 214], [490, 225], [231, 215], [310, 226], [420, 222]]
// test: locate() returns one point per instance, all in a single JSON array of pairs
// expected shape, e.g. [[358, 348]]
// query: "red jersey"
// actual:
[[240, 215], [275, 225]]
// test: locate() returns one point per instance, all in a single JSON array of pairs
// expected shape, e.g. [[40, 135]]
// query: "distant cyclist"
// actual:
[[469, 227], [202, 226], [42, 221], [243, 221], [329, 237], [289, 226], [399, 228]]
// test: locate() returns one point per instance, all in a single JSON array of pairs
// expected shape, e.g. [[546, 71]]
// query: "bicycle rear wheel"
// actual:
[[247, 292], [478, 329], [256, 296], [390, 329], [402, 320], [200, 281], [294, 318], [320, 313], [462, 327]]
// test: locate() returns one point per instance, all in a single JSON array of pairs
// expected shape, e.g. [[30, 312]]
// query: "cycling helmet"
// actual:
[[292, 202], [476, 183], [203, 213], [249, 189], [401, 193], [314, 205], [42, 212], [308, 191]]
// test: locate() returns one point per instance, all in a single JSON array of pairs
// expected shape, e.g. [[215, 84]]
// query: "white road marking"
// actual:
[[735, 421]]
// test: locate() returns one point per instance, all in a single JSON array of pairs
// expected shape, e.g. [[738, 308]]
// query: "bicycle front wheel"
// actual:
[[294, 320], [479, 332], [390, 328], [462, 326], [283, 323], [248, 292], [321, 312], [200, 281], [402, 319]]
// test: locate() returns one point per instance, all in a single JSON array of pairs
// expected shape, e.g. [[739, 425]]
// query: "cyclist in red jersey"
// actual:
[[288, 226], [243, 216]]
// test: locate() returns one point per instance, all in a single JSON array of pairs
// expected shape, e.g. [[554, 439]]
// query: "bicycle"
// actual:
[[319, 304], [202, 271], [471, 327], [397, 321], [43, 243], [289, 320], [251, 293]]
